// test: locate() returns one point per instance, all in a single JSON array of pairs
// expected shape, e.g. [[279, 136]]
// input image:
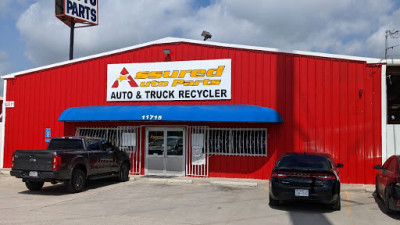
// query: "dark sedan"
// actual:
[[387, 183], [305, 176]]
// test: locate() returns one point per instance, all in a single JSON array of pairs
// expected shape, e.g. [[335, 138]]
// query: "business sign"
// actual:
[[169, 81], [9, 104], [79, 11], [198, 156]]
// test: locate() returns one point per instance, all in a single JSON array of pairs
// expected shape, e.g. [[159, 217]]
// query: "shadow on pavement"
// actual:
[[61, 189], [381, 205], [306, 212]]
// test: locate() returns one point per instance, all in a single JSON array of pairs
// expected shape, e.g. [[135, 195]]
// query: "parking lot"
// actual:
[[149, 200]]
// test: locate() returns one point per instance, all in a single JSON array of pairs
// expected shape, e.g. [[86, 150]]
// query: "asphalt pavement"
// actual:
[[158, 200]]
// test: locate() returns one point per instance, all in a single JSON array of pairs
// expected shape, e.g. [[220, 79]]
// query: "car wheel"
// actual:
[[273, 202], [77, 181], [123, 174], [337, 204], [387, 209], [34, 185]]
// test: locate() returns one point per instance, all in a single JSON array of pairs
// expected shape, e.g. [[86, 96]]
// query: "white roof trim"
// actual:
[[393, 62], [174, 40]]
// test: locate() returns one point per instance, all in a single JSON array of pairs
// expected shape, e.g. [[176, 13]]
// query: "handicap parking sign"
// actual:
[[48, 132]]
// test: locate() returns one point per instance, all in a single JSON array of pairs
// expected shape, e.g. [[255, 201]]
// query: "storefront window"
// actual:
[[250, 142]]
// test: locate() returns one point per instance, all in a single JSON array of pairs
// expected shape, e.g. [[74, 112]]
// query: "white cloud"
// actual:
[[121, 25], [4, 67], [46, 37], [354, 27], [341, 27]]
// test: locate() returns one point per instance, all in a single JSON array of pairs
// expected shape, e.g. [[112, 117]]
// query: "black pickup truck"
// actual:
[[71, 160]]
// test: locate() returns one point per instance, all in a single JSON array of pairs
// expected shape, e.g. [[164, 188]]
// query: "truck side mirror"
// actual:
[[339, 165]]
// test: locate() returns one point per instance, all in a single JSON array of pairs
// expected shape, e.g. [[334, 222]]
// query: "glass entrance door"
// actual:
[[165, 151]]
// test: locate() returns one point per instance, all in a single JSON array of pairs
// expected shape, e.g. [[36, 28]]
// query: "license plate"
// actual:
[[301, 193], [33, 173]]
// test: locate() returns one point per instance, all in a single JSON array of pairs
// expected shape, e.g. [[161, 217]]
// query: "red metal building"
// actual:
[[1, 108], [328, 103]]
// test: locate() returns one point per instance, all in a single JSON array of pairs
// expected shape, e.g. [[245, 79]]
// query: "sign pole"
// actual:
[[71, 12], [71, 41]]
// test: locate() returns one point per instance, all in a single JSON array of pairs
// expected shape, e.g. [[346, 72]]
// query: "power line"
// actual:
[[391, 34]]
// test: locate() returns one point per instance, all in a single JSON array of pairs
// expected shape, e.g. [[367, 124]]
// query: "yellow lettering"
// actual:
[[215, 82], [163, 83], [183, 73], [177, 82], [198, 73], [173, 75], [155, 74], [215, 72], [142, 75], [197, 82], [188, 83], [145, 84]]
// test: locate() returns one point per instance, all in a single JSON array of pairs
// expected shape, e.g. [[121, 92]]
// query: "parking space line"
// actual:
[[348, 206], [181, 191]]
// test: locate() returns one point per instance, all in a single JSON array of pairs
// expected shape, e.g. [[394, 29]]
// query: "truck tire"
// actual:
[[123, 173], [77, 181], [34, 185]]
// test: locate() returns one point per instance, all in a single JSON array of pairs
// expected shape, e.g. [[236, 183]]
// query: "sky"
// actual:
[[31, 36]]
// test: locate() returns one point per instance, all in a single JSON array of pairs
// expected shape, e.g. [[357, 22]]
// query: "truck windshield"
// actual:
[[61, 144]]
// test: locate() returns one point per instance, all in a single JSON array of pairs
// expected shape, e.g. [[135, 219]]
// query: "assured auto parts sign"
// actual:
[[169, 81], [83, 10]]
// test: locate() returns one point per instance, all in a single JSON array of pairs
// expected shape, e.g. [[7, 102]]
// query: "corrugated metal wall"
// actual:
[[328, 105]]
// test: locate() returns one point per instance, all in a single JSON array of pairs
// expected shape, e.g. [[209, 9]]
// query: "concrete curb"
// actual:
[[5, 172], [358, 187], [233, 183], [169, 181], [370, 190]]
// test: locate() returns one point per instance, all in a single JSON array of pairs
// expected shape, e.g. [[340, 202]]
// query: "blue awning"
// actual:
[[193, 113]]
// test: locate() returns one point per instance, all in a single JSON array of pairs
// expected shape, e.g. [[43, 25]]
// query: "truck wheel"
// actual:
[[34, 185], [77, 181], [123, 174]]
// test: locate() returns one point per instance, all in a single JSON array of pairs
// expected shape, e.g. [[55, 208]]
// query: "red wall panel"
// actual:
[[318, 98]]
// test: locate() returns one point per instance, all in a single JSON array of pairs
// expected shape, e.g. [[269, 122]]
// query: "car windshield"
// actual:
[[304, 162]]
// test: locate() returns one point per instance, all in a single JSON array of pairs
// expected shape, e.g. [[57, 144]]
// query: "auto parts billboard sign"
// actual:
[[170, 81]]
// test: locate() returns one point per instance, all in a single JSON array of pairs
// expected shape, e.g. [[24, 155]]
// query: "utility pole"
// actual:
[[392, 34]]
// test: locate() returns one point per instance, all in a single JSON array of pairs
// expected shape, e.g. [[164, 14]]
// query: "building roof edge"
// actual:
[[168, 40]]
